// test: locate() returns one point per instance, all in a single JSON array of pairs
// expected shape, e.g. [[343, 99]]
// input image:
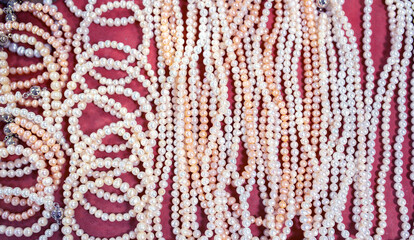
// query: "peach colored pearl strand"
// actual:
[[186, 161], [193, 208], [57, 71], [45, 196], [266, 97], [13, 47], [213, 120], [167, 44], [52, 22], [301, 115], [282, 67], [278, 209], [178, 63], [164, 117], [59, 28], [283, 64], [311, 112], [33, 67], [165, 135], [200, 170], [269, 126], [203, 89], [248, 133], [35, 92], [232, 65], [288, 63], [219, 154], [312, 82], [317, 202], [293, 47], [249, 127], [205, 150], [189, 121], [231, 200], [284, 119], [168, 80], [24, 193]]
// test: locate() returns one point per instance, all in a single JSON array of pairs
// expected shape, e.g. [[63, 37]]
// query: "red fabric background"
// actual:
[[94, 118]]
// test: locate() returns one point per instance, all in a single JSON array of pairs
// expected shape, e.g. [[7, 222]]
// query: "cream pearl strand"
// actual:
[[288, 65], [293, 49], [144, 156], [268, 128], [320, 183], [202, 187], [111, 90], [402, 116], [165, 129], [352, 140], [396, 36], [166, 82], [181, 178]]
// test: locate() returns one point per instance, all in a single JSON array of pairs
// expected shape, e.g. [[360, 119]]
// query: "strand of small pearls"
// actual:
[[165, 128], [354, 134], [330, 166], [294, 104], [270, 127], [285, 209], [223, 114], [168, 85], [177, 61], [402, 124], [47, 130], [372, 110], [269, 114], [411, 106], [145, 217], [21, 50], [320, 183], [248, 124], [201, 187], [231, 65]]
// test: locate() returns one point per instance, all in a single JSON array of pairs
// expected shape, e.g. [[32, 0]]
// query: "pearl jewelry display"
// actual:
[[240, 119]]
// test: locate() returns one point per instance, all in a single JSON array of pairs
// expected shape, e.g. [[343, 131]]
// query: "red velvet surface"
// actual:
[[94, 118]]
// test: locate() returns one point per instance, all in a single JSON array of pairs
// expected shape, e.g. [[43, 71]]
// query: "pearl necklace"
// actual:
[[392, 65], [43, 149], [88, 144]]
